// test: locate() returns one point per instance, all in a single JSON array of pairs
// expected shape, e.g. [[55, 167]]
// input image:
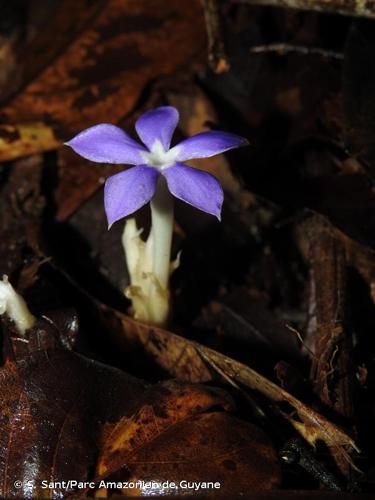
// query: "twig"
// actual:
[[285, 48], [357, 8], [217, 58], [257, 410], [296, 332]]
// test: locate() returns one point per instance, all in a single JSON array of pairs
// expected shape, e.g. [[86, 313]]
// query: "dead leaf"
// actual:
[[162, 407], [41, 31], [246, 319], [55, 405], [21, 207], [25, 140], [102, 72], [196, 115], [193, 362], [172, 437], [119, 47]]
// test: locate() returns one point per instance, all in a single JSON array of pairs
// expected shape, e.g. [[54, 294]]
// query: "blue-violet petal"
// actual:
[[207, 144], [157, 125], [106, 143], [126, 192], [200, 189]]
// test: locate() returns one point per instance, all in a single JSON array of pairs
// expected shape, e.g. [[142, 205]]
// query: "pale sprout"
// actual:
[[14, 306]]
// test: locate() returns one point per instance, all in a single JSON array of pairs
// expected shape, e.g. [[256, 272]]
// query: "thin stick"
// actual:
[[344, 7], [260, 413], [285, 48], [296, 332]]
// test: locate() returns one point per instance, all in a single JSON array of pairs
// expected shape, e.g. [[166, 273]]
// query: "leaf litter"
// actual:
[[295, 248]]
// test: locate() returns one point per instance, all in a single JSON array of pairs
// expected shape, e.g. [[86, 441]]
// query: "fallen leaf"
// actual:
[[102, 72], [176, 435], [55, 405], [247, 320], [193, 362], [21, 207], [41, 30], [98, 78], [24, 140], [196, 115]]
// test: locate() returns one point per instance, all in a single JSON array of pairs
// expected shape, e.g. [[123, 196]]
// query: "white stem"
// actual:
[[162, 230], [149, 262], [14, 306]]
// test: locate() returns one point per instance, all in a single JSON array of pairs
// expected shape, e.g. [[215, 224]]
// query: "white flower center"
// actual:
[[158, 157]]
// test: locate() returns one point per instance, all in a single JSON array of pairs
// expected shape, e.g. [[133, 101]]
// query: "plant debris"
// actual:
[[263, 380]]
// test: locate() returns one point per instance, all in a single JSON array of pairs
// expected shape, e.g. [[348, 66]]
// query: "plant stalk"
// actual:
[[149, 263], [162, 229]]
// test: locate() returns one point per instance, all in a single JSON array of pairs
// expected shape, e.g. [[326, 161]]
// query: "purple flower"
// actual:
[[129, 190]]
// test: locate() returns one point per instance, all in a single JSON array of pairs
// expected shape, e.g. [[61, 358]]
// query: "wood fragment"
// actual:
[[332, 343], [356, 8], [286, 48], [332, 372]]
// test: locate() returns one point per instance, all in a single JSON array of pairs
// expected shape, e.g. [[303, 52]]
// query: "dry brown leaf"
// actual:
[[102, 73], [171, 437], [196, 112], [24, 140], [162, 406], [40, 30], [193, 362], [55, 405], [99, 77]]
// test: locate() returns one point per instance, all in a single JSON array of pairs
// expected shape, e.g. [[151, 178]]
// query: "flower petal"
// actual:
[[207, 144], [126, 192], [106, 143], [157, 125], [198, 188]]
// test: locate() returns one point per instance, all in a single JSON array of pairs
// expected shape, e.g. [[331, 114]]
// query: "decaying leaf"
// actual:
[[41, 30], [101, 73], [194, 362], [196, 114], [305, 109], [55, 405], [21, 207], [244, 317], [177, 434], [24, 140], [99, 77]]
